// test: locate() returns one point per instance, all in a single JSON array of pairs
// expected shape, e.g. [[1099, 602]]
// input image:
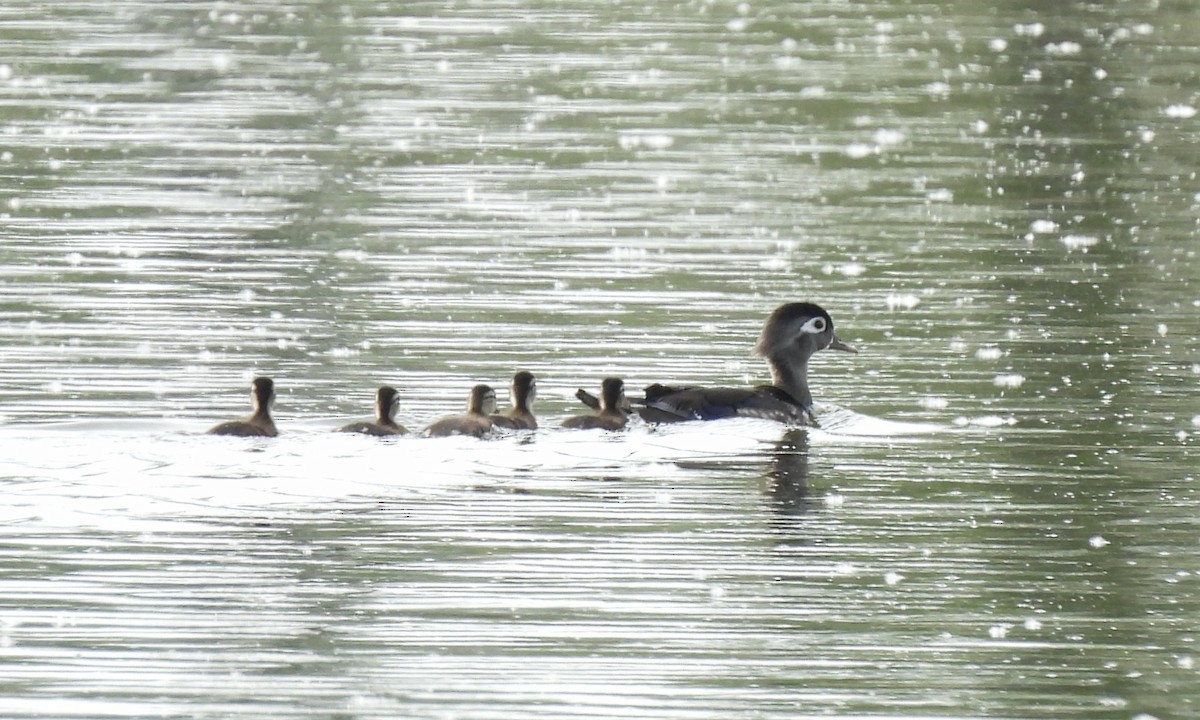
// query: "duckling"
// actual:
[[475, 422], [259, 423], [612, 413], [789, 338], [522, 391], [387, 402]]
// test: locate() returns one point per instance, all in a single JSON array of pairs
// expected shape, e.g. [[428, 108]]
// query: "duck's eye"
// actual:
[[816, 325]]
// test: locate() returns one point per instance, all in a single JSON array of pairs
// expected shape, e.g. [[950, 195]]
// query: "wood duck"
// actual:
[[259, 423], [522, 391], [789, 338], [476, 422], [387, 402], [611, 414]]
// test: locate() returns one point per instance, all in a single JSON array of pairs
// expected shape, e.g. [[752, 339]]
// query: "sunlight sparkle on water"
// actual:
[[437, 196], [1079, 242], [1066, 47], [901, 301], [1179, 111], [859, 150], [934, 403], [849, 269]]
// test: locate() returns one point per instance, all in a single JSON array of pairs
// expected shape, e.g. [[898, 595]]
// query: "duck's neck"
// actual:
[[611, 407], [262, 413], [789, 373], [261, 417]]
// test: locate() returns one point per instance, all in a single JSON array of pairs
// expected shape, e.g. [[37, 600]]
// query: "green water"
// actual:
[[996, 202]]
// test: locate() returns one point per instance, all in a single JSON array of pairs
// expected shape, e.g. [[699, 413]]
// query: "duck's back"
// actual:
[[665, 404], [472, 425], [373, 428], [595, 422], [244, 428], [515, 420]]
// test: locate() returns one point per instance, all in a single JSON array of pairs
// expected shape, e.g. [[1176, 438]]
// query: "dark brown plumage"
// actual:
[[387, 402], [611, 414], [789, 338], [522, 391], [259, 422], [475, 422]]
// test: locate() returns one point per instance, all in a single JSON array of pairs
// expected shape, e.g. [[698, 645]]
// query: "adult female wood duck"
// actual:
[[522, 391], [611, 414], [789, 338], [259, 423], [387, 402], [476, 422]]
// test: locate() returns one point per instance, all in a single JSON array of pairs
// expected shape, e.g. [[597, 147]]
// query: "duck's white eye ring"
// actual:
[[816, 325]]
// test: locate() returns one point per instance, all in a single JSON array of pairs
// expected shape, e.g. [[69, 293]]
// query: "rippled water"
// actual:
[[996, 202]]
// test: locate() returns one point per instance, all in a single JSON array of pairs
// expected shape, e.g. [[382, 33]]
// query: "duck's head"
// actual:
[[800, 326], [523, 389], [262, 393], [387, 403], [482, 400], [612, 394]]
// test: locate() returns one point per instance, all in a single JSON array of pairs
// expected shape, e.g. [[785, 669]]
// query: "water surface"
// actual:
[[997, 203]]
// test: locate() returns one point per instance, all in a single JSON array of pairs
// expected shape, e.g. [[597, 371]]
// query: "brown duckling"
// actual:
[[476, 422], [387, 402], [522, 391], [259, 423], [612, 414]]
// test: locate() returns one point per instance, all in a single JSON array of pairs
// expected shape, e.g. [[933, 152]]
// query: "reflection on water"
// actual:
[[996, 203], [788, 475]]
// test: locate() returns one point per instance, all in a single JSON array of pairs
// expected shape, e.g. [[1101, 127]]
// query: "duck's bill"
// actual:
[[837, 344]]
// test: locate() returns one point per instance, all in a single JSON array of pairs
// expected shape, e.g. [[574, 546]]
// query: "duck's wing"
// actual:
[[675, 404], [459, 425], [772, 403], [241, 428], [358, 427], [666, 403], [372, 428], [509, 422], [588, 399], [593, 402], [610, 421]]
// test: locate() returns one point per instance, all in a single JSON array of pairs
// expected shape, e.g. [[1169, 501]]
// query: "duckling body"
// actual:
[[259, 422], [611, 414], [522, 391], [476, 422], [789, 338], [387, 402]]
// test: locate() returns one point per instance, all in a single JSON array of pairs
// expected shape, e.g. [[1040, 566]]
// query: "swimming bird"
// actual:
[[789, 338], [522, 392], [259, 423], [476, 422], [387, 402], [612, 413]]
